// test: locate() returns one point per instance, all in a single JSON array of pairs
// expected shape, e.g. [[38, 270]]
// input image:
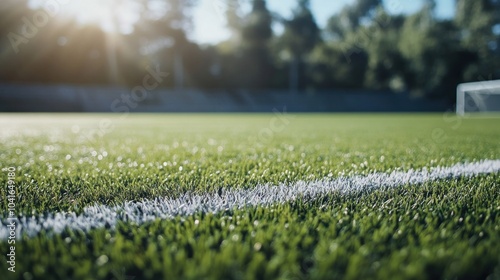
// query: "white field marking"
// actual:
[[99, 216]]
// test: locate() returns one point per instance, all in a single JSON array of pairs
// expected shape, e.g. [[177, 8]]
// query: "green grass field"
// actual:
[[448, 229]]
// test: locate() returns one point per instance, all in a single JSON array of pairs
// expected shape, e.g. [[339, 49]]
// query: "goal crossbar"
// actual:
[[491, 87]]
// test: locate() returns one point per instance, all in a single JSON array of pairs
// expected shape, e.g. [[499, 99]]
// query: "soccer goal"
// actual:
[[478, 97]]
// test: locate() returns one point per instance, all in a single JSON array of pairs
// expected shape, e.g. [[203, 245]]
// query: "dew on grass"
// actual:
[[102, 260]]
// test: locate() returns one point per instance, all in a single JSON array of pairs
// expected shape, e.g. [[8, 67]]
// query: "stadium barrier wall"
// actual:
[[65, 98]]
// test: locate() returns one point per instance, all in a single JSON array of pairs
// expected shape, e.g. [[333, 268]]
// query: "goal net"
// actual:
[[478, 97]]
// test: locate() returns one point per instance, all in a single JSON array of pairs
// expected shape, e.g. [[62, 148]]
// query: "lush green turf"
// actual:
[[443, 229]]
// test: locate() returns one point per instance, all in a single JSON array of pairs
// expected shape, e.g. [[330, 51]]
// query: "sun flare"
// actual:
[[111, 15]]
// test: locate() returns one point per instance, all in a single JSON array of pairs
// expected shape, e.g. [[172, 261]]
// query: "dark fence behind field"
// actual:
[[64, 98]]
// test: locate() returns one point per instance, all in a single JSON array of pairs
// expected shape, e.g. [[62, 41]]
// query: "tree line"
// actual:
[[361, 47]]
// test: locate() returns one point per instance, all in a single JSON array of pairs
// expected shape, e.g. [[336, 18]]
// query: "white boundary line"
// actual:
[[100, 216]]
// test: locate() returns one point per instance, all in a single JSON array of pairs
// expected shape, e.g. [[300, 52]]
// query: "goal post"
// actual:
[[478, 97]]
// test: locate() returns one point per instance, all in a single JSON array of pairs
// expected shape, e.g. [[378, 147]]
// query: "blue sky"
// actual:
[[209, 21]]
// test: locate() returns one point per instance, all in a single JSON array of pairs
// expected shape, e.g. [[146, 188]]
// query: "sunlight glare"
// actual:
[[111, 15]]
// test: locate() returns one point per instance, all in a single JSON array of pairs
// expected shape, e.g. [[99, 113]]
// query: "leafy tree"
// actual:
[[350, 18], [234, 20], [435, 58], [477, 19], [386, 68], [167, 30], [353, 30], [256, 30], [255, 61], [301, 35], [361, 47], [330, 69], [11, 12]]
